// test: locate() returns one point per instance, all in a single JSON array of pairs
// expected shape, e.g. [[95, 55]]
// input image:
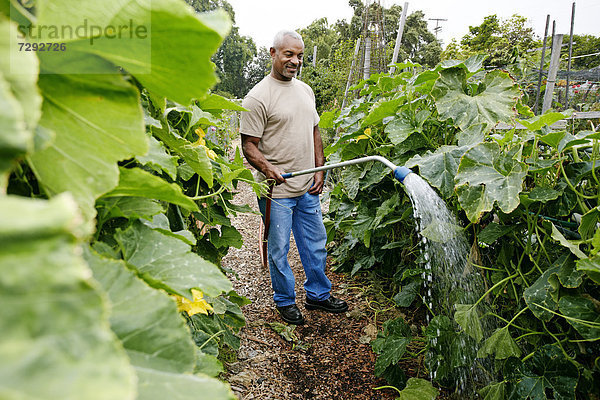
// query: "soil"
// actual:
[[329, 357]]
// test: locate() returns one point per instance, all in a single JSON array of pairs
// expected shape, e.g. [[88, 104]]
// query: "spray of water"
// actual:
[[449, 279]]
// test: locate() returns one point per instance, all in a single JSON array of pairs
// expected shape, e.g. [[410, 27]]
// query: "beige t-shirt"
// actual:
[[283, 115]]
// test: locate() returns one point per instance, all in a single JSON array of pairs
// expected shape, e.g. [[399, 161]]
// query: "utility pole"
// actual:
[[437, 28]]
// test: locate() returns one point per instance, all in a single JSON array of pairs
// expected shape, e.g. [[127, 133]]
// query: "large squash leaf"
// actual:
[[20, 102], [501, 344], [489, 102], [439, 167], [487, 176], [167, 263], [98, 121], [157, 385], [55, 342], [154, 335], [138, 183], [152, 50], [582, 314], [547, 374]]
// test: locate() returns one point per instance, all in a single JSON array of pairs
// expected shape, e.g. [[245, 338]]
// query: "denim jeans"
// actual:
[[302, 215]]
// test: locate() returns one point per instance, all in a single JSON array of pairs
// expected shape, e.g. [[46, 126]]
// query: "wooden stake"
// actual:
[[399, 37], [536, 107], [552, 71], [570, 55]]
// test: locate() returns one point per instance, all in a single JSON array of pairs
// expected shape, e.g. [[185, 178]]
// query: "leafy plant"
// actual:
[[112, 200], [529, 199]]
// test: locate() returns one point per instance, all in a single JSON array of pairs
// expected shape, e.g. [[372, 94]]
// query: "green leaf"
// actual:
[[493, 104], [591, 266], [472, 64], [168, 263], [538, 122], [407, 295], [54, 334], [155, 56], [128, 207], [543, 194], [589, 222], [439, 167], [214, 102], [547, 371], [493, 232], [574, 248], [285, 331], [195, 156], [449, 352], [467, 317], [159, 385], [541, 294], [495, 391], [208, 364], [487, 176], [390, 344], [568, 275], [501, 344], [154, 335], [227, 237], [20, 102], [553, 139], [93, 132], [381, 109], [136, 182], [418, 389], [399, 129], [158, 159], [582, 314]]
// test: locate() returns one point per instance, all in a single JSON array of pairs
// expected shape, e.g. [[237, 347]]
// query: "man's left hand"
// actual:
[[317, 187]]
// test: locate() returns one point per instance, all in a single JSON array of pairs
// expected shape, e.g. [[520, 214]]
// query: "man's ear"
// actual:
[[272, 51]]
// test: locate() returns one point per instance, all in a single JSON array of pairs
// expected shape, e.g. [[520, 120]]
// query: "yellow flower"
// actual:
[[198, 305], [210, 154], [201, 134], [366, 135]]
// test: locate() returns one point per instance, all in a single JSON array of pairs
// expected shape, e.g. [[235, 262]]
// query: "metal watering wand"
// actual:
[[400, 172]]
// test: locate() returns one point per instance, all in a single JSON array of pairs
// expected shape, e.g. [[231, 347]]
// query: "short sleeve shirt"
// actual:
[[283, 115]]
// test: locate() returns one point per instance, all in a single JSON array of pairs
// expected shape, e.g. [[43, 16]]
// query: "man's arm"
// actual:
[[317, 188], [258, 160]]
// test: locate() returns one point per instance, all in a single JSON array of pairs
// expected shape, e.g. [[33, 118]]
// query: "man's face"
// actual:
[[287, 59]]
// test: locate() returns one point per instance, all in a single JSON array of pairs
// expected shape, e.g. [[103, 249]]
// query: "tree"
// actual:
[[235, 59], [582, 45], [418, 43], [319, 34], [503, 40]]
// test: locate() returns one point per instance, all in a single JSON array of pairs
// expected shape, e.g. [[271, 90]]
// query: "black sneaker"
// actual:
[[331, 305], [291, 314]]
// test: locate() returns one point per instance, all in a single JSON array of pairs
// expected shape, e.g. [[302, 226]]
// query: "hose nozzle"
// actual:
[[401, 172]]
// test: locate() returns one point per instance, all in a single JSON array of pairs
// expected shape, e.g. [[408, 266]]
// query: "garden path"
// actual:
[[330, 357]]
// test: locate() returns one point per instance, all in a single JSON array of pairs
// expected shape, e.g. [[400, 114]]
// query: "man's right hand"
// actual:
[[258, 160], [274, 174]]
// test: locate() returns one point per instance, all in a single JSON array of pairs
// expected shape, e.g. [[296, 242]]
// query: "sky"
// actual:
[[261, 19]]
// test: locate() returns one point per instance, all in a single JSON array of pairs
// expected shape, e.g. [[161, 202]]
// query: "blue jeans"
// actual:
[[302, 215]]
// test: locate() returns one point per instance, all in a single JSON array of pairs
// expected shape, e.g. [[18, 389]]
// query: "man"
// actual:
[[280, 134]]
